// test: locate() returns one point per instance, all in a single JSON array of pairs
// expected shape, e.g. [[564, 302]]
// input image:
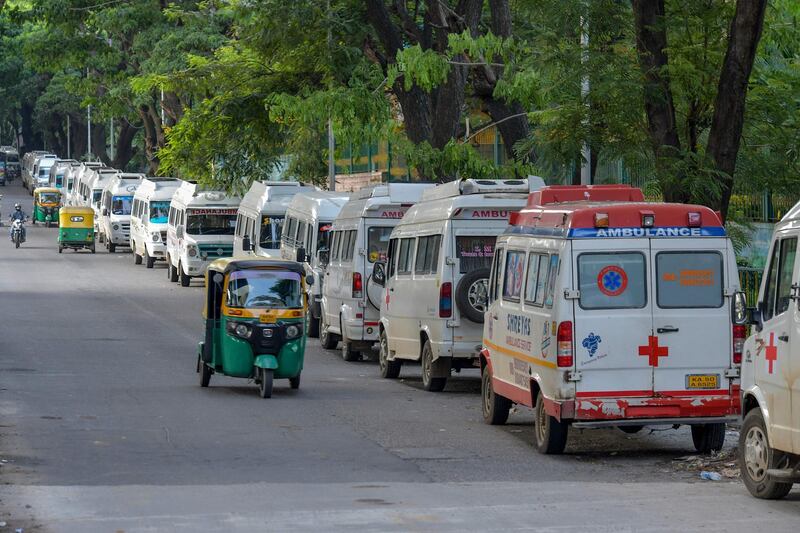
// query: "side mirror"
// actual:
[[105, 212], [309, 280], [739, 309], [379, 273], [179, 232], [323, 256], [755, 318], [247, 245], [301, 256]]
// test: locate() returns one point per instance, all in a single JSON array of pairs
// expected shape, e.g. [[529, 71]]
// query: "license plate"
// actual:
[[702, 381]]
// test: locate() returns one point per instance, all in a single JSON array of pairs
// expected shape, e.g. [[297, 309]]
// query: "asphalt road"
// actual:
[[104, 427]]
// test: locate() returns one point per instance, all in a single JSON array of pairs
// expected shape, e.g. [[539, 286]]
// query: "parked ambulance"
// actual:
[[769, 440], [606, 310], [116, 202], [259, 223], [57, 172], [70, 173], [200, 229], [359, 238], [149, 216], [97, 180], [308, 221], [435, 279], [81, 194]]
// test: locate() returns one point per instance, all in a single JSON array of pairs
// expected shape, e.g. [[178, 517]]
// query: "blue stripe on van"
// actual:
[[663, 232]]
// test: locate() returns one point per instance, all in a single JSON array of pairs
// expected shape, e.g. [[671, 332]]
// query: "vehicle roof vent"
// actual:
[[483, 186], [555, 194]]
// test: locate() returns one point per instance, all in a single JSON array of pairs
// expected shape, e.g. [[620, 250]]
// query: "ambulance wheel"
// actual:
[[348, 353], [472, 294], [495, 407], [185, 279], [205, 375], [430, 383], [149, 261], [137, 259], [295, 382], [756, 457], [326, 339], [708, 438], [265, 383], [550, 435], [389, 369], [313, 326], [172, 273]]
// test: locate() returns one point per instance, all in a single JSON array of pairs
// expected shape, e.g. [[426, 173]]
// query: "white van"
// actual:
[[116, 203], [437, 274], [359, 237], [606, 310], [200, 230], [70, 173], [30, 168], [769, 440], [40, 174], [308, 220], [149, 216], [57, 172], [97, 181], [259, 223], [80, 195]]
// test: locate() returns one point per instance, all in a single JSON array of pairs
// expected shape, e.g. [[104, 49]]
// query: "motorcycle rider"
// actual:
[[17, 214]]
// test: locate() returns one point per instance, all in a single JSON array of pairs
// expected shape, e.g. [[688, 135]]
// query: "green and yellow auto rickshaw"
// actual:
[[255, 311], [76, 228], [46, 202]]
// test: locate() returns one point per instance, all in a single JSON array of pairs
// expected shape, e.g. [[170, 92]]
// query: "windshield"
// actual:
[[271, 229], [59, 180], [49, 198], [211, 224], [377, 243], [96, 195], [264, 289], [121, 205], [159, 212]]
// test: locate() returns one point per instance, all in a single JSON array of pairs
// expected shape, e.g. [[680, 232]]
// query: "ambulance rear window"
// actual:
[[612, 281], [689, 279]]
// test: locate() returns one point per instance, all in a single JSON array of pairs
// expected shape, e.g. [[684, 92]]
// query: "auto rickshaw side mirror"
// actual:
[[301, 256], [379, 273]]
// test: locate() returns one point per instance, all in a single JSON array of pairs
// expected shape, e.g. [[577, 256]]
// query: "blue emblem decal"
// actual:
[[592, 343]]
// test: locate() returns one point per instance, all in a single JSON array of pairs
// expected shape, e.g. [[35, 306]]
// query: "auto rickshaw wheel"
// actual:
[[93, 249], [295, 382], [205, 375], [265, 386], [60, 249]]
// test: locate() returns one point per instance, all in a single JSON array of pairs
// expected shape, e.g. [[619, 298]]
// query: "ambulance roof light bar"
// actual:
[[554, 194]]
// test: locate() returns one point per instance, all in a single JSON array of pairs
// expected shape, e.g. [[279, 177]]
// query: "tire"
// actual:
[[313, 326], [495, 407], [708, 438], [148, 261], [348, 353], [295, 382], [16, 243], [93, 249], [265, 384], [328, 340], [205, 375], [550, 435], [137, 259], [472, 294], [172, 274], [184, 278], [112, 247], [430, 383], [60, 249], [756, 457], [389, 369]]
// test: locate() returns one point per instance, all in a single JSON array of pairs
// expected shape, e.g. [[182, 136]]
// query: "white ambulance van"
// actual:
[[769, 440], [70, 174], [606, 310], [116, 203], [97, 181], [200, 230], [308, 221], [57, 172], [81, 194], [435, 279], [149, 219], [259, 223], [359, 238]]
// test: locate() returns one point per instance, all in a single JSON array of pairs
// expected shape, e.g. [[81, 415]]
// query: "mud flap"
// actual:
[[269, 362], [441, 367]]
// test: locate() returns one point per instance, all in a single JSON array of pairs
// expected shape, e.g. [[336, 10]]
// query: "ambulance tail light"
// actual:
[[358, 285], [601, 220], [564, 356], [446, 300], [694, 220], [739, 334]]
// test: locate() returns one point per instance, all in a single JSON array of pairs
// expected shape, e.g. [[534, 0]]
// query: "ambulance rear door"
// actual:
[[690, 347], [613, 313]]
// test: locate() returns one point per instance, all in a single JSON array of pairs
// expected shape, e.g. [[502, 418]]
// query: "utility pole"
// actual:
[[111, 135], [331, 140], [69, 145], [89, 131]]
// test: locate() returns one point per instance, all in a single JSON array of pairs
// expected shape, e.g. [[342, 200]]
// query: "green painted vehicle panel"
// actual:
[[75, 236], [39, 216], [234, 357]]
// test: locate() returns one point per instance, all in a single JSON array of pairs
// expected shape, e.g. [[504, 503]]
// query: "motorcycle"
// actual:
[[17, 233]]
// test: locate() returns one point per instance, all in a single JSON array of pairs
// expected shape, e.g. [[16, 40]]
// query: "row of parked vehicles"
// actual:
[[587, 304]]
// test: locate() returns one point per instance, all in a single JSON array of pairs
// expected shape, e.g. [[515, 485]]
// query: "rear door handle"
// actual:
[[784, 338], [667, 329]]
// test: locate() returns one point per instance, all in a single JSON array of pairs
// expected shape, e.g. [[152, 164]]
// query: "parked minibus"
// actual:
[[115, 210], [259, 222], [57, 173], [149, 219], [81, 195]]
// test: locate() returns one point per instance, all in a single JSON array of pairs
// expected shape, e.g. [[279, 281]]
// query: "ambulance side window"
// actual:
[[772, 280], [495, 277], [779, 285], [536, 280], [391, 257], [406, 256], [512, 281], [551, 280]]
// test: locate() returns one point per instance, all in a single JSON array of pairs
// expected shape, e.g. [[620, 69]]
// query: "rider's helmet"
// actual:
[[17, 207]]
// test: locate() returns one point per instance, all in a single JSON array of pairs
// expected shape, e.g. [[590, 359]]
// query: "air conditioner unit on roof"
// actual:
[[483, 186]]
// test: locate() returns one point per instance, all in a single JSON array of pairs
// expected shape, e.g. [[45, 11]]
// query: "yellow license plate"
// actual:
[[702, 381]]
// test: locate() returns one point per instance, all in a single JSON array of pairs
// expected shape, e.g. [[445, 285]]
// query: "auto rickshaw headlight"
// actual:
[[293, 331], [243, 331]]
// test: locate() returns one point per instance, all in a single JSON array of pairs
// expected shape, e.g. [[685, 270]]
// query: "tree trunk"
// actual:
[[651, 46], [99, 142], [150, 138], [32, 140], [726, 126], [124, 149]]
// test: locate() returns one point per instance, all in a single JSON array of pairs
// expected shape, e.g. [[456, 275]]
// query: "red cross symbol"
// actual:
[[772, 351], [653, 350]]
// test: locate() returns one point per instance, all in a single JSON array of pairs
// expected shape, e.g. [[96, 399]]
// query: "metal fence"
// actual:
[[750, 281]]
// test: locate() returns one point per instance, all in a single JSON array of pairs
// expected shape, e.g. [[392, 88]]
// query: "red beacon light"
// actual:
[[695, 220], [648, 219]]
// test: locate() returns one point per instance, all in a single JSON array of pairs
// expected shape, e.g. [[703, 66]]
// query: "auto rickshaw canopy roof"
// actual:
[[40, 190], [76, 217], [233, 264]]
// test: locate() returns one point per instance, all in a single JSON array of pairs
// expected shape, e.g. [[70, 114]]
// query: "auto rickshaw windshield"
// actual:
[[49, 198], [264, 289]]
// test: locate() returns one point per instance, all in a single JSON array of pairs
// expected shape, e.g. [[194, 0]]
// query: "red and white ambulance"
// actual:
[[606, 310]]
